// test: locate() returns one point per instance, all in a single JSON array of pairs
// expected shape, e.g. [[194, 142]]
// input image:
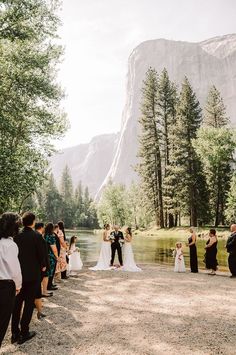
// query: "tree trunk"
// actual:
[[217, 202], [171, 220]]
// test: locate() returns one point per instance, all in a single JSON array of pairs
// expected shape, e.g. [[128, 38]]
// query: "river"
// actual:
[[147, 250]]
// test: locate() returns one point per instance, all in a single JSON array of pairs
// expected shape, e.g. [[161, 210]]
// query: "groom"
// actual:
[[117, 237]]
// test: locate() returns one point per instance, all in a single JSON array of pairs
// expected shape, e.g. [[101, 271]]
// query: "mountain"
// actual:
[[205, 63], [113, 156], [88, 163]]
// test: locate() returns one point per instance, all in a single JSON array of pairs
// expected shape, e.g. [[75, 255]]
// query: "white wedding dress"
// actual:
[[75, 262], [129, 263], [104, 257]]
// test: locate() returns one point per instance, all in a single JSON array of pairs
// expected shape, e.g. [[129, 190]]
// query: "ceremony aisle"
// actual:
[[148, 313]]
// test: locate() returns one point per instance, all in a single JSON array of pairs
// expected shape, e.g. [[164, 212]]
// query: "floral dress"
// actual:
[[51, 240], [61, 263]]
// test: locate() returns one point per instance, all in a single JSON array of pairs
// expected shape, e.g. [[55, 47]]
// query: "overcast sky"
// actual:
[[99, 35]]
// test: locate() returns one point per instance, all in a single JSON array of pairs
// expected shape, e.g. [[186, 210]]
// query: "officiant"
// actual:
[[117, 239]]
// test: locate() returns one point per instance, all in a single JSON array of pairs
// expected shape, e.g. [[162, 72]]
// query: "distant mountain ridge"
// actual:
[[88, 163], [207, 63]]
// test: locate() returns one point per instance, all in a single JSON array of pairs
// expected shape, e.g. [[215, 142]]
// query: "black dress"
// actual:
[[210, 256], [193, 256]]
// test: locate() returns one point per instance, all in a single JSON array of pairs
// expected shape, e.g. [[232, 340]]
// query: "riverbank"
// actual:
[[148, 313], [181, 233]]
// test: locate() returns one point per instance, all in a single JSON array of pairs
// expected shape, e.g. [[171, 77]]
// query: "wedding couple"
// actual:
[[115, 241]]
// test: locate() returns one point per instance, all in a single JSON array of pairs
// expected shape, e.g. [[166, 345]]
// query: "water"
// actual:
[[147, 250]]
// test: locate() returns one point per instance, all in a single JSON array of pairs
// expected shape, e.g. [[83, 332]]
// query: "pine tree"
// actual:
[[66, 190], [78, 203], [150, 166], [166, 111], [215, 111], [186, 168], [53, 201]]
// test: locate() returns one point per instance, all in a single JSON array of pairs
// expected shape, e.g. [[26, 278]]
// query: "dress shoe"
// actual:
[[41, 315], [14, 338], [23, 338], [48, 295], [65, 277], [52, 288]]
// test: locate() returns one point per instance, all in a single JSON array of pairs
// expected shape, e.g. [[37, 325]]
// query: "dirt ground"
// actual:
[[147, 313]]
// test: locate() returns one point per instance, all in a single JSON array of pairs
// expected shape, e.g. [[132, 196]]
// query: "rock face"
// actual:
[[114, 156], [206, 63], [88, 163]]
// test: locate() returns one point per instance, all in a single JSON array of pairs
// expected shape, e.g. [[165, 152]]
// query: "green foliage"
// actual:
[[75, 209], [30, 114], [215, 147], [230, 211], [113, 206]]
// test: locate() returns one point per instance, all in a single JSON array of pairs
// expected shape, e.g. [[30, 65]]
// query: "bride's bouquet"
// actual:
[[122, 242], [111, 238]]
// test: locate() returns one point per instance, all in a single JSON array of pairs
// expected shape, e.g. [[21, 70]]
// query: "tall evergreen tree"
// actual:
[[53, 201], [66, 190], [185, 165], [215, 111], [150, 166], [166, 112]]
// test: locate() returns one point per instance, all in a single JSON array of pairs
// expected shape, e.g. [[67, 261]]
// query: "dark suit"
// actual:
[[231, 249], [32, 260], [115, 245]]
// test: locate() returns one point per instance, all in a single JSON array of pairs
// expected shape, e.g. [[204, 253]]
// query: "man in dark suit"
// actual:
[[231, 249], [117, 239], [32, 261]]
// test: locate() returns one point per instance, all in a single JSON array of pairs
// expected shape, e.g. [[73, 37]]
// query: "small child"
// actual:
[[179, 258], [75, 263]]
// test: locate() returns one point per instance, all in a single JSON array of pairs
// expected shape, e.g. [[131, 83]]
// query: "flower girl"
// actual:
[[179, 258], [75, 263]]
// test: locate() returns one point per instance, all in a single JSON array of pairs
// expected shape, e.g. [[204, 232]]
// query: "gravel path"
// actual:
[[153, 312]]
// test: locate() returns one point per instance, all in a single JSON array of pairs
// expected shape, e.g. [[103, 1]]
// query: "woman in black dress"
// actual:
[[192, 240], [211, 252]]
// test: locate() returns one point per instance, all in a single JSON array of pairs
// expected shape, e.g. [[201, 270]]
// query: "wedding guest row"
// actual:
[[30, 260], [210, 257]]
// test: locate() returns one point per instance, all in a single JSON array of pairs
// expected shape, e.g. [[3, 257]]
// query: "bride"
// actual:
[[105, 253], [129, 263]]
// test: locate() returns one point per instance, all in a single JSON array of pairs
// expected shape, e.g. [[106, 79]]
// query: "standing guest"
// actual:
[[192, 241], [10, 271], [211, 252], [62, 230], [39, 228], [31, 257], [52, 253], [57, 276], [231, 249], [62, 249]]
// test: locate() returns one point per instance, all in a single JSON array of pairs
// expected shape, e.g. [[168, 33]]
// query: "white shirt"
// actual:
[[9, 262]]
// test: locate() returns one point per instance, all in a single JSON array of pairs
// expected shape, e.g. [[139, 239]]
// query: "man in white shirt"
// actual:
[[10, 271]]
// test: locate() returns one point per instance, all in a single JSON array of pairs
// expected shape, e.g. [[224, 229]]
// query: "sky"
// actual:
[[99, 35]]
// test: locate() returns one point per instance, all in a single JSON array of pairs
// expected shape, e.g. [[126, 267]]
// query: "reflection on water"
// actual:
[[147, 250]]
